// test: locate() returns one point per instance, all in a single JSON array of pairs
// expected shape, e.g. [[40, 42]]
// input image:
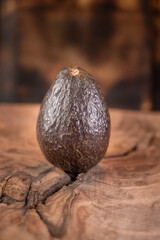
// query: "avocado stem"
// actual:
[[74, 71]]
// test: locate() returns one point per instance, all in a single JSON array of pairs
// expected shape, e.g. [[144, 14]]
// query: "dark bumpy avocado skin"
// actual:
[[73, 126]]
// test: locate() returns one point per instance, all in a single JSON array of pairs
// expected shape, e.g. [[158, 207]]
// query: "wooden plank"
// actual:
[[156, 53], [117, 199], [9, 50], [107, 38]]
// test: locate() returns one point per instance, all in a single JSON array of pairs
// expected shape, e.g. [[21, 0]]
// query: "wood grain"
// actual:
[[118, 199]]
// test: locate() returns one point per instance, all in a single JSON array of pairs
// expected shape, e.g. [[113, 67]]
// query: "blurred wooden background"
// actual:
[[117, 41]]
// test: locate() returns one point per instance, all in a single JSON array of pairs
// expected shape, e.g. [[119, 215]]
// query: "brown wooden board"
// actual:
[[108, 38], [119, 199]]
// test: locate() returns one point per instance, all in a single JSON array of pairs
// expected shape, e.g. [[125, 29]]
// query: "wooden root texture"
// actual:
[[119, 199]]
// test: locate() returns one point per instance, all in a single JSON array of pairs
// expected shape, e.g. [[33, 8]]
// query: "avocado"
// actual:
[[73, 126]]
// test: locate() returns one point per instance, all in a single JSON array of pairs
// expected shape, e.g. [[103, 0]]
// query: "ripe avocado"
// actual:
[[73, 127]]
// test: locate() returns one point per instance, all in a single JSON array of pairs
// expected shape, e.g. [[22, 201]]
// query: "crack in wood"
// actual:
[[54, 231], [3, 188], [140, 145], [54, 189], [58, 230], [133, 149], [27, 195]]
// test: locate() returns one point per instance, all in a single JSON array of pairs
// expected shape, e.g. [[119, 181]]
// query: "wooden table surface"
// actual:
[[119, 199]]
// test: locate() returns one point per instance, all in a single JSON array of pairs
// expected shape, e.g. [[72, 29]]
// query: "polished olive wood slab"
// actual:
[[119, 199]]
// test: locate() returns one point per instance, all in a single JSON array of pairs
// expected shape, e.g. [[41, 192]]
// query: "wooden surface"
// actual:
[[119, 199]]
